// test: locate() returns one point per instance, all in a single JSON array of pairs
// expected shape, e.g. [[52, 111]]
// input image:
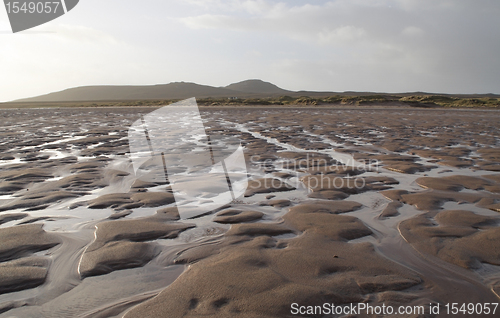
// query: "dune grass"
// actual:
[[425, 101]]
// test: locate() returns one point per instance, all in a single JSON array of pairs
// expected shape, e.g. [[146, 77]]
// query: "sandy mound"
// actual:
[[398, 163], [457, 183], [267, 185], [441, 190], [22, 240], [114, 256], [279, 203], [328, 195], [236, 216], [391, 209], [318, 183], [118, 244], [448, 156], [122, 201], [22, 274], [260, 276], [7, 217], [459, 237]]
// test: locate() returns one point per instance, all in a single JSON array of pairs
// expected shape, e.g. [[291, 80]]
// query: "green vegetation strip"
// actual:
[[426, 101]]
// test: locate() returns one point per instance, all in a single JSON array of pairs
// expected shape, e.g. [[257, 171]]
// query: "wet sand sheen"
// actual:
[[68, 170]]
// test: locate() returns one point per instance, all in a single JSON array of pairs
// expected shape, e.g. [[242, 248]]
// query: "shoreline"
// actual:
[[260, 106]]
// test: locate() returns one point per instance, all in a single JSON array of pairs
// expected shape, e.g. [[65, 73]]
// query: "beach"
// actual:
[[381, 206]]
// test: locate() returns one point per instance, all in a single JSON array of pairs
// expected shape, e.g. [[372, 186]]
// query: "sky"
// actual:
[[441, 46]]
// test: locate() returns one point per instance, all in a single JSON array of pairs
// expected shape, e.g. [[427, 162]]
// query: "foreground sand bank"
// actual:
[[390, 205]]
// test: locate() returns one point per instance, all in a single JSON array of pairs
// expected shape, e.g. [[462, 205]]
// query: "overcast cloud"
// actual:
[[356, 45]]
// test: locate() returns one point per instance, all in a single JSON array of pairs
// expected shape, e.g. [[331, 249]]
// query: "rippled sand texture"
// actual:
[[394, 206]]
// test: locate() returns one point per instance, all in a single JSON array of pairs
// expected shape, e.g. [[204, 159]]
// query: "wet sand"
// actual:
[[394, 206]]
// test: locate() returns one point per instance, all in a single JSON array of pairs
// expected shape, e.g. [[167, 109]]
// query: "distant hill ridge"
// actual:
[[175, 90], [253, 88], [257, 87]]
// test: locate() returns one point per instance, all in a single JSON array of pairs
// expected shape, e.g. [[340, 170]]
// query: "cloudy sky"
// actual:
[[449, 46]]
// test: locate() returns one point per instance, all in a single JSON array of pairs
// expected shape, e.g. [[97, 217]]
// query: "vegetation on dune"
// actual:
[[446, 101], [301, 100], [348, 100]]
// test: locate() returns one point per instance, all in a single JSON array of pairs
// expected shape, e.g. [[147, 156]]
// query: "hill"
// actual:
[[171, 91], [249, 92], [258, 87], [177, 90]]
